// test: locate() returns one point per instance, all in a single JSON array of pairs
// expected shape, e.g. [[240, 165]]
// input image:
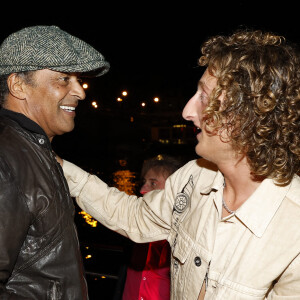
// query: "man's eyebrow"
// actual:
[[153, 179]]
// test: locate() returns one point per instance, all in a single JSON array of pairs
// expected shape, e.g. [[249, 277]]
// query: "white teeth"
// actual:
[[67, 108]]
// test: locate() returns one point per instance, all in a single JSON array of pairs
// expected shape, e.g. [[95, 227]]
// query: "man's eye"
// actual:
[[203, 98], [65, 79]]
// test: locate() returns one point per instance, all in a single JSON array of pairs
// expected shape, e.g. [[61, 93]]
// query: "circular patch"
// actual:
[[181, 202]]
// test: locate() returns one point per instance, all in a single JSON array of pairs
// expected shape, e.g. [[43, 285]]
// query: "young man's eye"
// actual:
[[203, 97]]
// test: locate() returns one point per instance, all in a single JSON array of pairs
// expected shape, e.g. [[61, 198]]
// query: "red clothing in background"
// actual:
[[148, 275]]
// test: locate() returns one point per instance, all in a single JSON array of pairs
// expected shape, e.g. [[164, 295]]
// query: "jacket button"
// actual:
[[41, 141], [175, 264], [197, 261]]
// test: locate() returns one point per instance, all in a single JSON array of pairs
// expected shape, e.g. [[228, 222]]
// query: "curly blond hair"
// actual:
[[259, 75]]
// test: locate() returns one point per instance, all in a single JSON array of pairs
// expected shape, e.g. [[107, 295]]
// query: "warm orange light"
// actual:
[[143, 104], [156, 99], [124, 180], [85, 86], [94, 103], [124, 93], [119, 99], [88, 218]]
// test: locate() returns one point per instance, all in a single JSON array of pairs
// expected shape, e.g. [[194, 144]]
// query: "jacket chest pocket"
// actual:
[[187, 266]]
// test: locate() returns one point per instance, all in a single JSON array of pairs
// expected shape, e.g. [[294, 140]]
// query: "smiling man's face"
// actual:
[[51, 100]]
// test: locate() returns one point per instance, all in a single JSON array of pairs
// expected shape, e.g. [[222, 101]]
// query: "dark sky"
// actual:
[[152, 46]]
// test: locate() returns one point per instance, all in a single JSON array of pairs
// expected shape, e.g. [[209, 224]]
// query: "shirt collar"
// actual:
[[216, 184], [259, 209]]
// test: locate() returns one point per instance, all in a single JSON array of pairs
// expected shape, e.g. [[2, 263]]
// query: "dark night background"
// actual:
[[153, 49]]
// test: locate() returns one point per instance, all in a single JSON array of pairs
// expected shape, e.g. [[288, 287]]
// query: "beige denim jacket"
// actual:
[[250, 255]]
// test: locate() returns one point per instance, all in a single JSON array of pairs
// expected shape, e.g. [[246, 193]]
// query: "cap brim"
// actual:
[[91, 69]]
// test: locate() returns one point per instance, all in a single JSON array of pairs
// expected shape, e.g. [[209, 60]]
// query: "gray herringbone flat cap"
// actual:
[[49, 47]]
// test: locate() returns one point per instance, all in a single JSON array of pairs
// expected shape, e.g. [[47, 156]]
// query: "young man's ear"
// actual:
[[16, 86]]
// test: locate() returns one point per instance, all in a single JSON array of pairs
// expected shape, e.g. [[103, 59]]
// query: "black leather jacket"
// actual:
[[39, 250]]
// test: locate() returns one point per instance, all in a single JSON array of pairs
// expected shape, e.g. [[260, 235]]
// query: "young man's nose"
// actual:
[[189, 111]]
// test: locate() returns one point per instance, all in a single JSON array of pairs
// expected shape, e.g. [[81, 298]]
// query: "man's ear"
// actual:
[[16, 86]]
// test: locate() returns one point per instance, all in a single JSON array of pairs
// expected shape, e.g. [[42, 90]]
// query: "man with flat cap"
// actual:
[[40, 68]]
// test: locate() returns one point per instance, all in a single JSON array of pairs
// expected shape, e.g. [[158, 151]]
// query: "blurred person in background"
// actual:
[[148, 274]]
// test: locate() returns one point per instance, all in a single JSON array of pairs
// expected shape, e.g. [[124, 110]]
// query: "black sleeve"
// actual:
[[14, 225]]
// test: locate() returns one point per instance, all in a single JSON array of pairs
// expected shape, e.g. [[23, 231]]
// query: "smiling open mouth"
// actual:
[[68, 108]]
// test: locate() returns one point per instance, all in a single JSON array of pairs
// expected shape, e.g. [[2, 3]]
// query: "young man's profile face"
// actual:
[[210, 146]]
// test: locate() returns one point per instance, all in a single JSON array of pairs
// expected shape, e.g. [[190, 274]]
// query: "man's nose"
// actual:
[[189, 112], [78, 91], [144, 189]]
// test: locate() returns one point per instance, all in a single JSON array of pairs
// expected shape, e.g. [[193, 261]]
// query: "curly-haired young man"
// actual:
[[233, 231]]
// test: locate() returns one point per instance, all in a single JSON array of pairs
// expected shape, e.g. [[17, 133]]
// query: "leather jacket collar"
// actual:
[[23, 121]]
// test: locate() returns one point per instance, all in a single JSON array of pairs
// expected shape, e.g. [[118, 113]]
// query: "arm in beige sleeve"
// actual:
[[76, 177], [141, 219], [287, 286]]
